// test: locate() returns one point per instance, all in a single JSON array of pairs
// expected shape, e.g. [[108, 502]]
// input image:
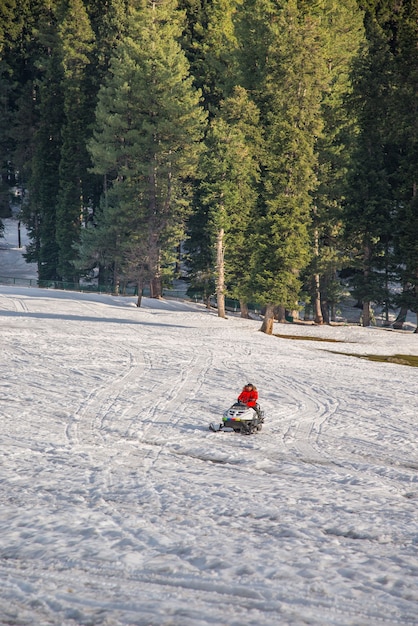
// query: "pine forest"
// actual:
[[259, 150]]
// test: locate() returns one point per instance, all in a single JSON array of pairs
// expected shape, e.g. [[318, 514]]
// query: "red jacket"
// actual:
[[248, 397]]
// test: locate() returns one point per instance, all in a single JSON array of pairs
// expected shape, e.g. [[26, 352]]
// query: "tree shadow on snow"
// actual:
[[85, 318]]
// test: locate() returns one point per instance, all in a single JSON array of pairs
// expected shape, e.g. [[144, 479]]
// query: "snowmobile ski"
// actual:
[[217, 428]]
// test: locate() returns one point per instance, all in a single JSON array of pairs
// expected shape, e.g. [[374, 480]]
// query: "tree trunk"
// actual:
[[366, 314], [318, 319], [325, 311], [280, 314], [401, 318], [268, 322], [139, 299], [220, 270], [244, 309], [156, 290], [366, 274], [116, 284]]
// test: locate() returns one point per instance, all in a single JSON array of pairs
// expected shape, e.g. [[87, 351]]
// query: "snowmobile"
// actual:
[[240, 418]]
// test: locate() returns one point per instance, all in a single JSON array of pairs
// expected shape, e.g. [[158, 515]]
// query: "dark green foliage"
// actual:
[[373, 206], [405, 136], [301, 151], [76, 39], [290, 97], [210, 43], [228, 191], [200, 250], [44, 182], [149, 123]]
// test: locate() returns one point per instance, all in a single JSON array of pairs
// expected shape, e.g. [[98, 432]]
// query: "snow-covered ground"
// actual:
[[119, 507], [12, 262]]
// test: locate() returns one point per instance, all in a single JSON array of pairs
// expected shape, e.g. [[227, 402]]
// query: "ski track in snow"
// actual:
[[119, 507]]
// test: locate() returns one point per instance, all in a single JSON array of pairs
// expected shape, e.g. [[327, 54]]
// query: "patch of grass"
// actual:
[[399, 359], [308, 338]]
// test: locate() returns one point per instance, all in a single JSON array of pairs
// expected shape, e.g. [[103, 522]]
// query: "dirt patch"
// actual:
[[307, 338], [399, 359]]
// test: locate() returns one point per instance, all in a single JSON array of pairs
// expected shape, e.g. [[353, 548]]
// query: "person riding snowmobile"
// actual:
[[239, 417], [249, 395]]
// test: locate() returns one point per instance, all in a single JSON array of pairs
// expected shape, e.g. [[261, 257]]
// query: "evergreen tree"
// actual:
[[146, 144], [40, 213], [369, 204], [210, 43], [405, 136], [18, 56], [256, 40], [230, 170], [341, 33], [76, 38], [290, 71]]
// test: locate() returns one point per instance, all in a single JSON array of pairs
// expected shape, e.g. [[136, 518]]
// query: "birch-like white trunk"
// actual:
[[220, 270]]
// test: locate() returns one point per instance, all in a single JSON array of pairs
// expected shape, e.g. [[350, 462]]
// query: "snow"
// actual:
[[119, 507]]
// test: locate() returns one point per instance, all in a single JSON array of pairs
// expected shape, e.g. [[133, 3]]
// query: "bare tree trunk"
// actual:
[[244, 309], [268, 322], [156, 290], [139, 299], [366, 314], [366, 272], [318, 319], [154, 252], [280, 314], [220, 270], [401, 318], [116, 279], [325, 311]]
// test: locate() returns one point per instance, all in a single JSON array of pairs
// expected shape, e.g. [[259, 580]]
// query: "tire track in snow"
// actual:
[[113, 448], [17, 304], [88, 419], [305, 412], [205, 596], [176, 398], [316, 407], [304, 433]]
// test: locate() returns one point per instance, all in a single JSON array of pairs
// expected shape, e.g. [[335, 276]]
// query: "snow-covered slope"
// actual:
[[119, 506]]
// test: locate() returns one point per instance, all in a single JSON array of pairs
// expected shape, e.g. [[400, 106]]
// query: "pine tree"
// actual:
[[18, 56], [369, 204], [210, 44], [405, 136], [341, 33], [289, 72], [146, 143], [230, 171], [76, 38], [40, 213]]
